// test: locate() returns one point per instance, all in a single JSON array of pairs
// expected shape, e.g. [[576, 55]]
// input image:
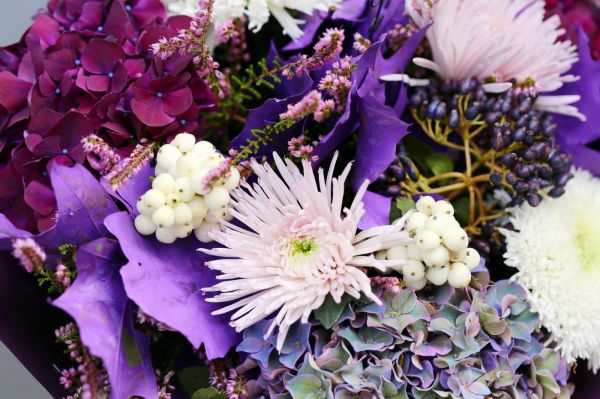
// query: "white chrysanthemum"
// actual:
[[500, 40], [556, 248], [297, 246], [258, 12]]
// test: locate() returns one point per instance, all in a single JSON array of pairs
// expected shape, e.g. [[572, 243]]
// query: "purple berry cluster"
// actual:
[[524, 157]]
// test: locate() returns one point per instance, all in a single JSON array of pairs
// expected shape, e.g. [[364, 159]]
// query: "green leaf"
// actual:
[[300, 387], [132, 353], [208, 393], [193, 379], [330, 311], [461, 210], [439, 163]]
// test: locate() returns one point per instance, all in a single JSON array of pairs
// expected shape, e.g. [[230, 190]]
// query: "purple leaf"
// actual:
[[82, 206], [8, 232], [165, 281], [99, 305], [379, 133], [377, 210]]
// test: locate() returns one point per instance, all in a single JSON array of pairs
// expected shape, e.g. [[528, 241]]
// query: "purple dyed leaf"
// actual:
[[82, 206], [572, 134], [165, 281], [380, 131], [98, 303], [377, 210], [8, 232]]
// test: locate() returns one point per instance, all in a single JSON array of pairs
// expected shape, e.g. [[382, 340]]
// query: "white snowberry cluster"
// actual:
[[180, 201], [439, 252]]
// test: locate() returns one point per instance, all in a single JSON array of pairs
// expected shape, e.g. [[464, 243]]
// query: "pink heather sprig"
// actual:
[[68, 378], [215, 175], [217, 374], [62, 276], [327, 49], [236, 386], [29, 254], [298, 148], [165, 385], [245, 166], [337, 82], [144, 318], [361, 43], [399, 34], [233, 32], [93, 382], [192, 41], [106, 157], [130, 166], [388, 284]]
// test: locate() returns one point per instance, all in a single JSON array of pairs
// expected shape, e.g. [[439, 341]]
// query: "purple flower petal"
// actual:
[[82, 206], [14, 91], [178, 101], [40, 198], [151, 112], [99, 305], [165, 281]]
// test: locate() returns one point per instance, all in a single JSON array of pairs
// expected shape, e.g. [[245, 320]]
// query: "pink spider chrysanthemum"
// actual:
[[499, 41], [297, 245]]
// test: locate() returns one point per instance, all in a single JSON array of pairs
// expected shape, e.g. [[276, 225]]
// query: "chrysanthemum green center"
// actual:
[[587, 241], [302, 248]]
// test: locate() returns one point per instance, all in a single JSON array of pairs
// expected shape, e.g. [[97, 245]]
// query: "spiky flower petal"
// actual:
[[298, 246]]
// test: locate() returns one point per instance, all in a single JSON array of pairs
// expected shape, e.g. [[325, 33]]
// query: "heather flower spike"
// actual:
[[299, 246]]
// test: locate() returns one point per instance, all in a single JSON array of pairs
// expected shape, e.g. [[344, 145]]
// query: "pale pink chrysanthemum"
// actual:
[[299, 244], [499, 40]]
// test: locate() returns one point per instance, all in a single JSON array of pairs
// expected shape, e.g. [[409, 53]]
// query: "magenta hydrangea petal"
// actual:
[[99, 305], [165, 281], [40, 198], [151, 112], [178, 101], [101, 56], [14, 91]]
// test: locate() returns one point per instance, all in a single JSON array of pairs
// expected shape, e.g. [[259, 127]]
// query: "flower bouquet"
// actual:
[[303, 199]]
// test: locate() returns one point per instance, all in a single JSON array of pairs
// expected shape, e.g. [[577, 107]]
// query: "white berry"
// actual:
[[232, 181], [425, 205], [187, 164], [183, 188], [397, 252], [183, 214], [164, 182], [442, 208], [413, 270], [184, 142], [183, 230], [164, 216], [197, 179], [167, 156], [414, 253], [437, 275], [172, 200], [198, 207], [459, 276], [203, 232], [426, 240], [154, 199], [415, 222], [455, 238], [166, 235], [436, 257], [217, 198], [144, 225], [142, 208], [173, 171], [417, 284], [469, 257], [439, 223], [203, 147]]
